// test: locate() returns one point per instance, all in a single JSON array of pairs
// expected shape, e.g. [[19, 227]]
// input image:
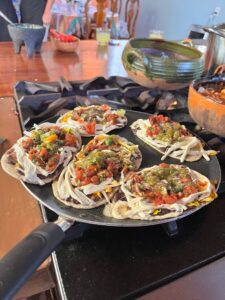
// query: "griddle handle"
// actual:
[[17, 266]]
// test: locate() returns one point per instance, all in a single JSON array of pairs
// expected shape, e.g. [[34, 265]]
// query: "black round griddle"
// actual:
[[22, 260], [211, 169]]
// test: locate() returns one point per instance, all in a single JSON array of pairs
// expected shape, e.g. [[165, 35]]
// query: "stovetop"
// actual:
[[118, 263]]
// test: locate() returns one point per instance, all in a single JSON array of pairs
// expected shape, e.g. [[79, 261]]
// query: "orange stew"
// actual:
[[215, 92]]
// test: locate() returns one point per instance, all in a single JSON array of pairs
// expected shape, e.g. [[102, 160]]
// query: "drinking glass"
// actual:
[[155, 34], [103, 36]]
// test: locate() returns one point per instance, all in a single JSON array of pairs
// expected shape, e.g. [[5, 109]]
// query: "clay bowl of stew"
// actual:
[[162, 64], [206, 104]]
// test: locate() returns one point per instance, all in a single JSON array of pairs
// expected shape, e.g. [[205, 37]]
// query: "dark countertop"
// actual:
[[112, 263]]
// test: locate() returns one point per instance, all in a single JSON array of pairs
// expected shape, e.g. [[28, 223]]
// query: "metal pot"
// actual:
[[215, 52]]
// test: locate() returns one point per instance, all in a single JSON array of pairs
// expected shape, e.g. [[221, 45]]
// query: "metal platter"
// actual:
[[44, 195]]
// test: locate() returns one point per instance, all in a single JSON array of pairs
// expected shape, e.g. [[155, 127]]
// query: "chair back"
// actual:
[[87, 21], [99, 16], [116, 6], [132, 9]]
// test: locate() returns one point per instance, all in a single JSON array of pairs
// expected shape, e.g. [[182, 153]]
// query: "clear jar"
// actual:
[[155, 34], [103, 36]]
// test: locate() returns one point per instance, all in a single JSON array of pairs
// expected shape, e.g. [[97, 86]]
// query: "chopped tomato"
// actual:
[[201, 185], [62, 37], [108, 173], [158, 199], [95, 179], [163, 165], [75, 116], [185, 179], [189, 189], [55, 128], [85, 181], [81, 120], [111, 167], [149, 132], [54, 33], [43, 153], [90, 147], [112, 117], [32, 153], [80, 174], [153, 131], [104, 107], [158, 119], [70, 139], [90, 127], [170, 199], [68, 38], [138, 178], [101, 147], [52, 162], [91, 170], [27, 143]]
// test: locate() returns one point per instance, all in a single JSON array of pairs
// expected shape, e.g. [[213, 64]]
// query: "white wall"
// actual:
[[174, 17]]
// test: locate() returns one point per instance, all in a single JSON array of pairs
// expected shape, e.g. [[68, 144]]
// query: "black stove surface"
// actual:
[[117, 263]]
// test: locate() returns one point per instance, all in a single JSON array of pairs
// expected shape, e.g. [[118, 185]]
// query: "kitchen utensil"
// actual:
[[30, 35], [208, 113], [65, 84], [21, 261], [163, 64], [34, 87], [6, 18], [215, 51]]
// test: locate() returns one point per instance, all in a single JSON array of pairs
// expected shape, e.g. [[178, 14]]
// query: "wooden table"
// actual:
[[88, 62], [19, 212]]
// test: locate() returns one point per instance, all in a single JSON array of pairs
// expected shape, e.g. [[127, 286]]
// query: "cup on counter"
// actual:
[[155, 34], [103, 36]]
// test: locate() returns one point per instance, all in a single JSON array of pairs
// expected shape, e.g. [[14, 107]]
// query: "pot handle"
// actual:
[[17, 266], [144, 61], [220, 70], [134, 55]]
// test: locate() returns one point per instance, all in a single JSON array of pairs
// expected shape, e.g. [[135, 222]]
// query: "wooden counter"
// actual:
[[20, 213], [89, 61]]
